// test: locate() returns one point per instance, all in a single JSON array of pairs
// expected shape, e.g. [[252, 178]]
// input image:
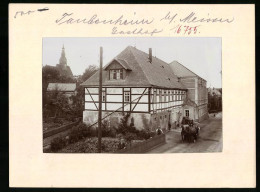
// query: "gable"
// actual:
[[117, 63], [182, 71], [114, 65]]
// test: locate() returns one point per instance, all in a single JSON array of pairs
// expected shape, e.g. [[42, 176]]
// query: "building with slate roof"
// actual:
[[196, 106], [67, 89], [137, 83], [62, 87]]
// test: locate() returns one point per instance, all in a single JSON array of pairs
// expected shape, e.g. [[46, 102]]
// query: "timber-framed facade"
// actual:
[[137, 83]]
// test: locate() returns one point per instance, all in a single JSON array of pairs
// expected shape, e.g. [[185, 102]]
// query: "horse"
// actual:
[[189, 133]]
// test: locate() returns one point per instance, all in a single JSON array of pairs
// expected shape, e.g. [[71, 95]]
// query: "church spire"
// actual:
[[63, 59]]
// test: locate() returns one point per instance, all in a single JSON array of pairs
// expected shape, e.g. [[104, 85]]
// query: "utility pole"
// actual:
[[100, 101]]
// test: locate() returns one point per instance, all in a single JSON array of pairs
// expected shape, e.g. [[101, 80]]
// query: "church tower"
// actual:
[[63, 59], [62, 67]]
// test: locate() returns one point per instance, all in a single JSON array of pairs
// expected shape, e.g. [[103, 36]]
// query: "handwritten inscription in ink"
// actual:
[[29, 12], [183, 24]]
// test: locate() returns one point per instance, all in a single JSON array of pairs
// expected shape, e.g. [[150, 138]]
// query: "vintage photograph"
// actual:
[[132, 95]]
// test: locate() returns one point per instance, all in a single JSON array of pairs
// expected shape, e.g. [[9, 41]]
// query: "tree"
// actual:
[[88, 72], [49, 74]]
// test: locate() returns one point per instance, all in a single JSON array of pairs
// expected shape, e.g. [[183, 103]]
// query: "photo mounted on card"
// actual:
[[150, 101], [114, 89]]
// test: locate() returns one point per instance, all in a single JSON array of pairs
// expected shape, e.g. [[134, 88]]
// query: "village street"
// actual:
[[209, 140]]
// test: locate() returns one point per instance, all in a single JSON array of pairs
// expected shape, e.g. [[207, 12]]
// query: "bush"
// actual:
[[143, 134], [129, 137], [57, 144], [105, 128], [112, 132], [103, 146], [123, 127], [108, 131], [75, 135], [79, 132]]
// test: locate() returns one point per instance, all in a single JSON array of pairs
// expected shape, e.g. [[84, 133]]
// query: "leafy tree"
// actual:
[[51, 74], [57, 102], [88, 72]]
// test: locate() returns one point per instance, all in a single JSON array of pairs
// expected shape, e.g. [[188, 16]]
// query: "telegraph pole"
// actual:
[[100, 101]]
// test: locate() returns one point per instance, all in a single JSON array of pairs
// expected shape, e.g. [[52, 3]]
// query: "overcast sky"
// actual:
[[201, 55]]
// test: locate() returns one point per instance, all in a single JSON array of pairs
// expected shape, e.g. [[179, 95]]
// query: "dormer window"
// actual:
[[116, 74]]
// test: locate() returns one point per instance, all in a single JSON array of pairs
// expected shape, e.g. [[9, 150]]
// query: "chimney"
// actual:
[[150, 55]]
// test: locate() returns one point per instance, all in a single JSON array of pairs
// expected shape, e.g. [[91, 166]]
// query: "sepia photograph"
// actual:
[[91, 107], [132, 95]]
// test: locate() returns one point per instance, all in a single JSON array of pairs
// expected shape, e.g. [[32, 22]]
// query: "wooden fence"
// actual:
[[59, 129]]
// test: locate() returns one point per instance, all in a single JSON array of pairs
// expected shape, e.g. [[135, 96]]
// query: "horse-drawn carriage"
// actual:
[[189, 131]]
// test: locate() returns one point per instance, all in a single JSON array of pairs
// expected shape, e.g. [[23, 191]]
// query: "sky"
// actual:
[[202, 55]]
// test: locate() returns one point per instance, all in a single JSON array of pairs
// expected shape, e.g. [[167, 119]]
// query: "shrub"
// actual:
[[144, 134], [105, 128], [57, 144], [108, 131], [129, 137], [93, 132], [152, 134], [123, 127], [103, 146], [79, 132], [74, 135], [112, 132]]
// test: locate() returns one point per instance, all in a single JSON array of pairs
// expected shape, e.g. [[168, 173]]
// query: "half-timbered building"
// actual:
[[137, 83]]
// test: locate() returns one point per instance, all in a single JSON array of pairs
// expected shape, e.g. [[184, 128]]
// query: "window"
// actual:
[[103, 96], [187, 113], [154, 97], [116, 74], [127, 96], [160, 96]]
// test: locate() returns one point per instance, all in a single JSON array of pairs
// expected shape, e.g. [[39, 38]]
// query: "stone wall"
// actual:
[[146, 145]]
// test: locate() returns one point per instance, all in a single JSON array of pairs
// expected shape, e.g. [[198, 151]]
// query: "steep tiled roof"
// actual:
[[61, 86], [156, 74], [182, 71]]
